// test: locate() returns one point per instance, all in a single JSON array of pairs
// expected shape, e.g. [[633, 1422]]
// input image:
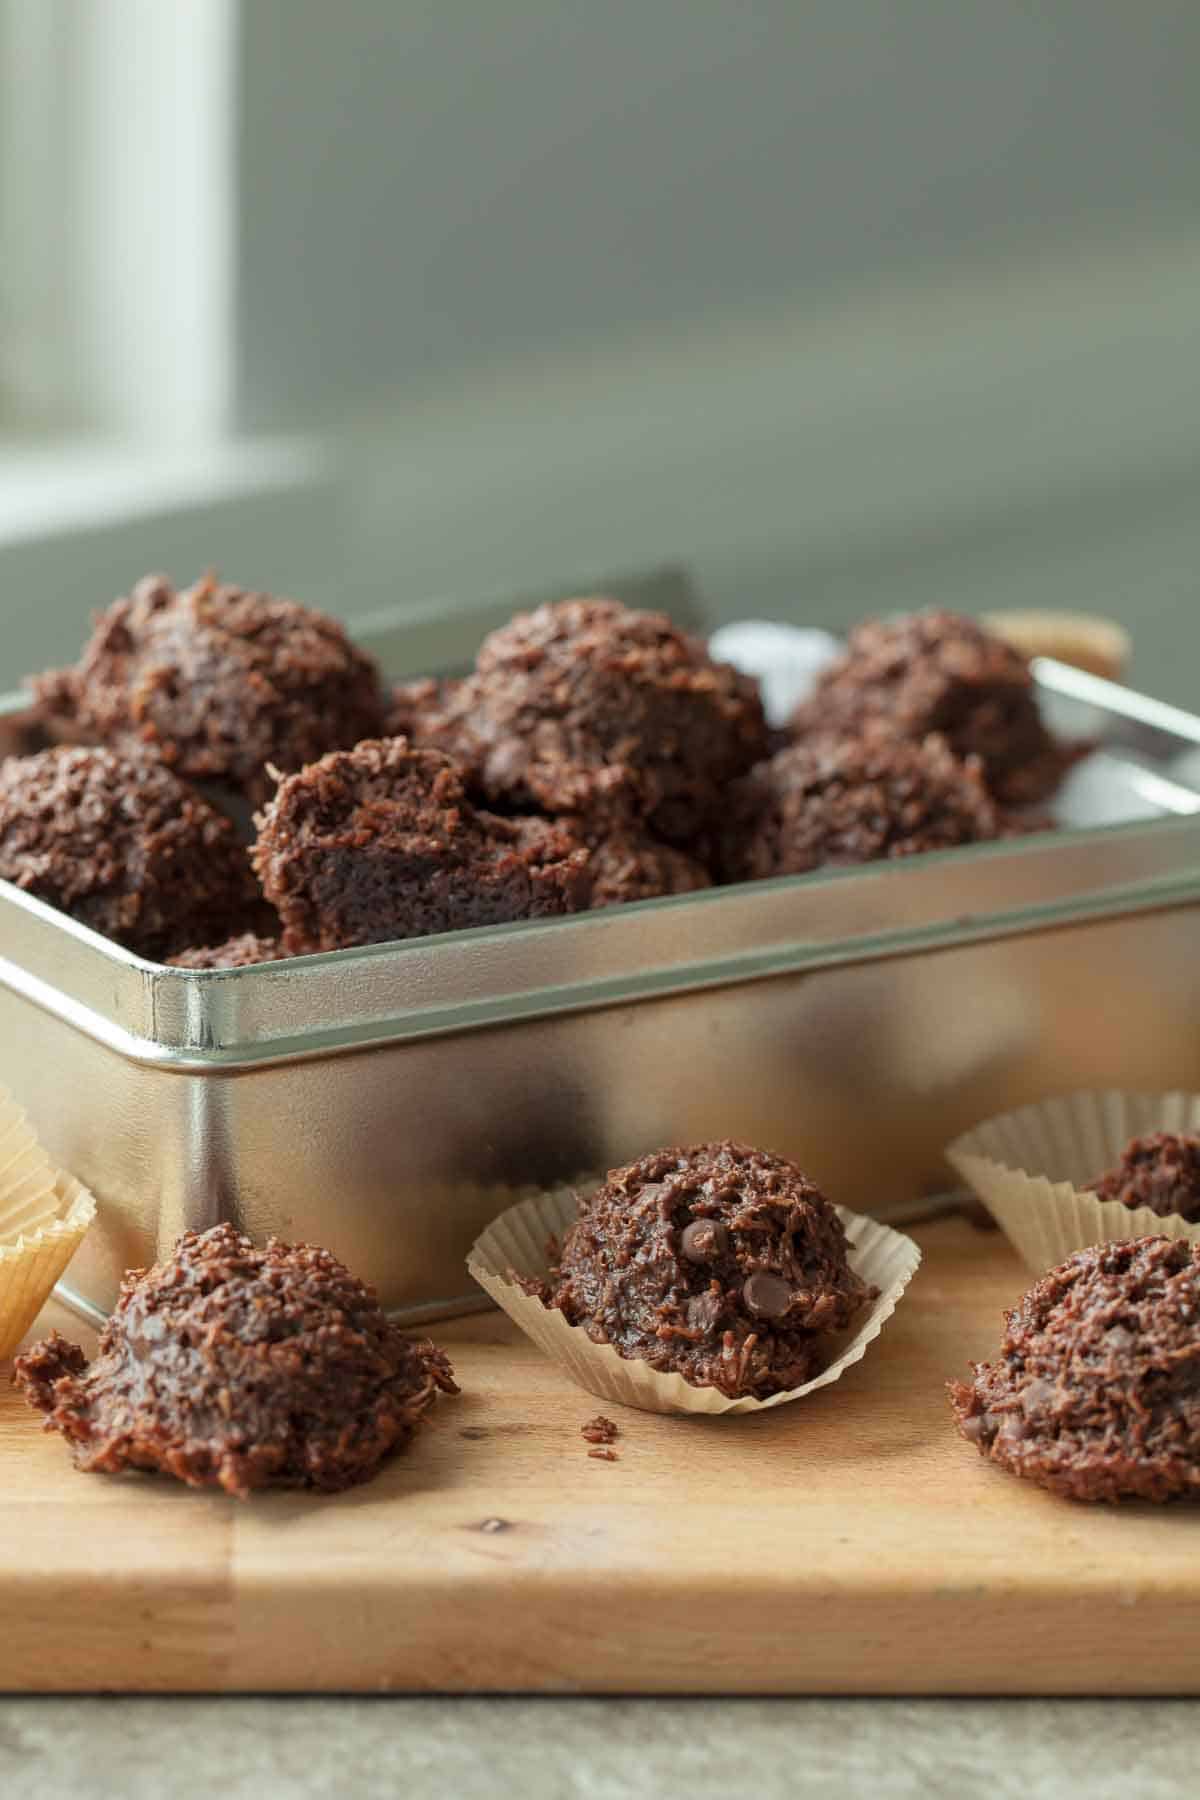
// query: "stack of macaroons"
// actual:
[[165, 735], [595, 755]]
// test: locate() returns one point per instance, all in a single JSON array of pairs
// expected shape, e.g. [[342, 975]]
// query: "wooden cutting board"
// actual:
[[850, 1543]]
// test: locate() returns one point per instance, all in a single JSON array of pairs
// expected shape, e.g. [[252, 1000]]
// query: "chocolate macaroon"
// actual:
[[941, 672], [241, 952], [119, 842], [222, 682], [240, 1368], [1095, 1394], [846, 800], [629, 865], [1161, 1171], [381, 842], [720, 1263], [417, 709], [588, 707]]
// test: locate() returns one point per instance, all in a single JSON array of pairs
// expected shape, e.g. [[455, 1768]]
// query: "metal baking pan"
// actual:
[[386, 1101]]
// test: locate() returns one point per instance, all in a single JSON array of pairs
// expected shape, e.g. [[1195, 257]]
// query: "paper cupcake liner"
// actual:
[[1030, 1167], [885, 1259], [1100, 646], [30, 1266], [27, 1197]]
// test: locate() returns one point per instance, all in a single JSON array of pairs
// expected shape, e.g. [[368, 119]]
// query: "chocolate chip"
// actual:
[[703, 1240], [767, 1295]]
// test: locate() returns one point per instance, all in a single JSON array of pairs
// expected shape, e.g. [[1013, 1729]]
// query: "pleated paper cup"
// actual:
[[27, 1197], [35, 1260], [1100, 646], [518, 1240], [1030, 1169]]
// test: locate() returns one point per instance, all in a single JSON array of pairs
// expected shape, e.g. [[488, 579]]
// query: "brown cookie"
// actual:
[[235, 1367], [381, 842], [720, 1263], [220, 681], [1096, 1391], [119, 842]]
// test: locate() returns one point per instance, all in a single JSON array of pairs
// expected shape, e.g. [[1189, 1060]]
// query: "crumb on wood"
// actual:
[[599, 1430], [602, 1453]]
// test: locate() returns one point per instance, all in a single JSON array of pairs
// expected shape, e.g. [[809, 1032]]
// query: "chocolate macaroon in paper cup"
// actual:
[[1031, 1168], [519, 1241]]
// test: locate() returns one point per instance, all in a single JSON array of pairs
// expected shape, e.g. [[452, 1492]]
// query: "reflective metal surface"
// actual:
[[386, 1101]]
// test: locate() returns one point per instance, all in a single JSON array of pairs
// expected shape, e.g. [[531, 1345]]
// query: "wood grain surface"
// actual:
[[851, 1543]]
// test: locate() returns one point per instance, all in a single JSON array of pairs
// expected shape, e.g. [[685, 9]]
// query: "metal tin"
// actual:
[[387, 1101]]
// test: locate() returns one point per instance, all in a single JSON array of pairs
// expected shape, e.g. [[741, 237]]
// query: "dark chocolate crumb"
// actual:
[[599, 1430]]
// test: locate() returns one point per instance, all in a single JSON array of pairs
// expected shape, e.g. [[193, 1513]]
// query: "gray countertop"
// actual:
[[144, 1749]]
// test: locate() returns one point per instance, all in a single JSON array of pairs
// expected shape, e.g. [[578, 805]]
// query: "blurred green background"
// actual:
[[850, 306]]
